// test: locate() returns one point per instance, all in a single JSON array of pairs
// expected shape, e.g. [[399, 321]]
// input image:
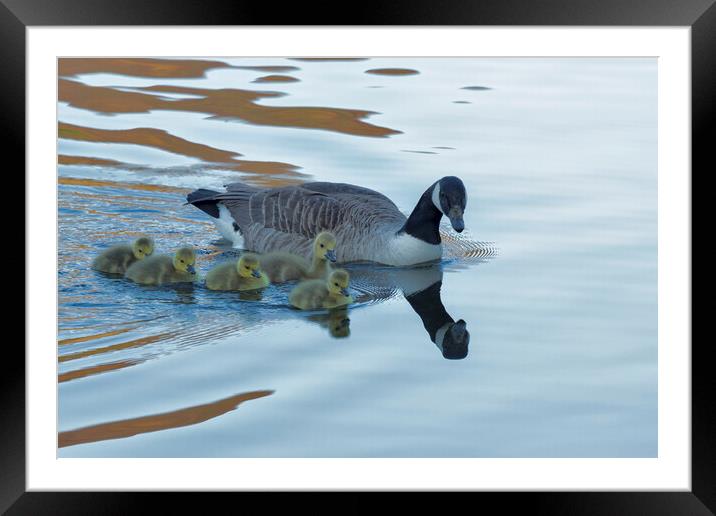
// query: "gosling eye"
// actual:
[[323, 245]]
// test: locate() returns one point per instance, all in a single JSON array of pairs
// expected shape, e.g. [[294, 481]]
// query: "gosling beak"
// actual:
[[455, 216], [331, 255], [345, 292], [256, 273], [190, 269]]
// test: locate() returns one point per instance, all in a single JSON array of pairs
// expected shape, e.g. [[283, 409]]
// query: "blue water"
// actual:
[[556, 275]]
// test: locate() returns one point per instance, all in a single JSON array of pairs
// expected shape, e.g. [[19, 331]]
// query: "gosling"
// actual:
[[117, 259], [281, 267], [162, 269], [244, 274], [322, 293]]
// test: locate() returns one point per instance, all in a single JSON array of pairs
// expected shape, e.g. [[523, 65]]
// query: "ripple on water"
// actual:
[[107, 323]]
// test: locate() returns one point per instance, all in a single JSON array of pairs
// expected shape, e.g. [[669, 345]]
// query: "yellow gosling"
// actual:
[[162, 269], [117, 259], [244, 274], [281, 267], [322, 293]]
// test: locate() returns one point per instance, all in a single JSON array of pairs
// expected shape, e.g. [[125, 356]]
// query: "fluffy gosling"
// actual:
[[162, 269], [281, 267], [117, 259], [322, 293], [243, 274]]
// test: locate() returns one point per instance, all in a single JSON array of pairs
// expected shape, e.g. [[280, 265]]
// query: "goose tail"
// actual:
[[205, 200]]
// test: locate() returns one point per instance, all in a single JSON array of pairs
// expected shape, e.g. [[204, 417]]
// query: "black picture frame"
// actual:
[[700, 15]]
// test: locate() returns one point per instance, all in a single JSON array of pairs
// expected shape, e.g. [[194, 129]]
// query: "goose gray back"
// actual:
[[367, 225]]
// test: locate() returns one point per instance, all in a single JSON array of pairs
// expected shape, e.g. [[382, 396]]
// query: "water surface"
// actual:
[[555, 276]]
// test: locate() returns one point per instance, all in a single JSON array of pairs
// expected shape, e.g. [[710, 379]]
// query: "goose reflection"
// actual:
[[451, 338], [421, 287]]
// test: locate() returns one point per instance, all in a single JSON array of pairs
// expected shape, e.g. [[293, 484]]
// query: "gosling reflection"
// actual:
[[336, 321], [184, 292], [250, 295]]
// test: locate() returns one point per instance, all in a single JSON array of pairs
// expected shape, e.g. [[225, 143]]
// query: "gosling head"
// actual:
[[338, 282], [142, 247], [248, 266], [450, 197], [325, 246], [184, 260]]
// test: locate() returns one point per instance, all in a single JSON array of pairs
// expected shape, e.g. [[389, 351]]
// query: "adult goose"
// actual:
[[367, 225]]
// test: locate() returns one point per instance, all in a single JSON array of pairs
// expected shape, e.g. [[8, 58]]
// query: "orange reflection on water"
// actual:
[[392, 71], [157, 422], [63, 159], [224, 103], [116, 347], [137, 67], [276, 78], [102, 368], [116, 184], [163, 140], [87, 338]]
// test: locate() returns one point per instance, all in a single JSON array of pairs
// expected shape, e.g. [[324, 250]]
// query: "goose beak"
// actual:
[[190, 269], [255, 273], [455, 216], [345, 292], [456, 342], [331, 255]]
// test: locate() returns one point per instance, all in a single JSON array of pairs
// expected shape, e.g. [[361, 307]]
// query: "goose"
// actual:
[[243, 274], [322, 293], [161, 269], [367, 225], [282, 266], [115, 260]]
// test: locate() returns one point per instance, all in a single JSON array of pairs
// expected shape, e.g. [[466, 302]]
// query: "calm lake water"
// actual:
[[555, 275]]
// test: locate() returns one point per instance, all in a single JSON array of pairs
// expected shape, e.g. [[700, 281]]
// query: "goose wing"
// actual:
[[295, 210], [345, 189]]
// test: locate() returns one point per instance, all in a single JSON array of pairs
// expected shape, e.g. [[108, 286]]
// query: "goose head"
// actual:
[[184, 260], [248, 266], [324, 246], [453, 340], [337, 283], [450, 198], [142, 247]]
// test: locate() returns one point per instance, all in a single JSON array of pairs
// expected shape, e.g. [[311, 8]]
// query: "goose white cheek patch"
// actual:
[[436, 198]]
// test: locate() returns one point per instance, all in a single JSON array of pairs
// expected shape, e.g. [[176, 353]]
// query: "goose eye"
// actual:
[[323, 245]]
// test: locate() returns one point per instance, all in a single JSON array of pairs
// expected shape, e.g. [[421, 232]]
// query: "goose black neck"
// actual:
[[428, 305], [424, 221]]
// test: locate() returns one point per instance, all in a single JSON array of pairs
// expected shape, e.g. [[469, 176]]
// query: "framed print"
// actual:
[[430, 251]]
